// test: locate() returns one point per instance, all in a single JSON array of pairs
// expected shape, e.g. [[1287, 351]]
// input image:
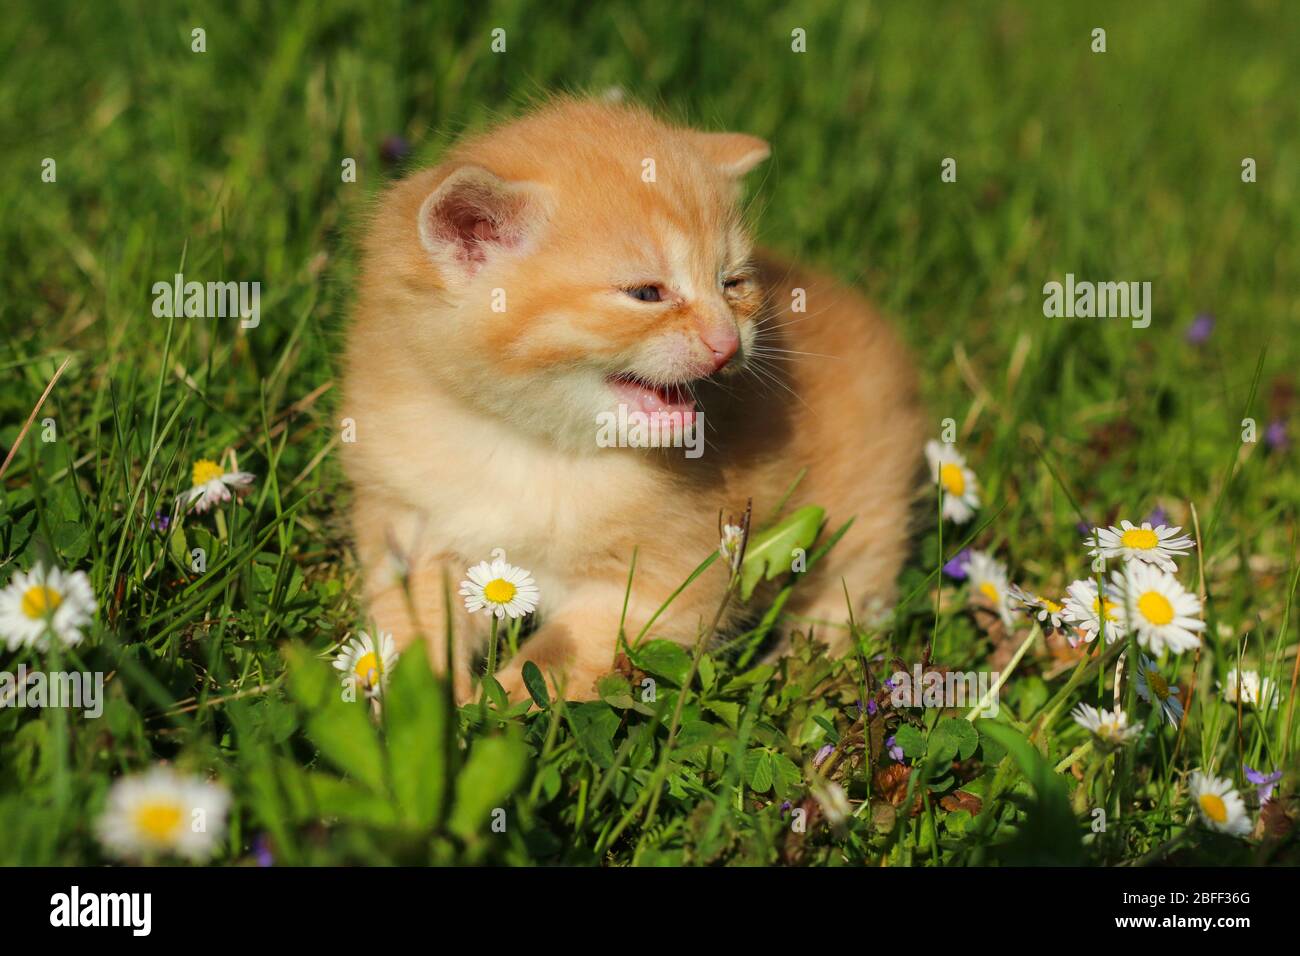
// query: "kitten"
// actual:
[[584, 257]]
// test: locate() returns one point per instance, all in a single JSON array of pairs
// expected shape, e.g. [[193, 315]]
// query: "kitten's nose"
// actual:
[[722, 341]]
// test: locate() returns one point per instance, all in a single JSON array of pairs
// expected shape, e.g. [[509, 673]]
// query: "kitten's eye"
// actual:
[[646, 293], [735, 282]]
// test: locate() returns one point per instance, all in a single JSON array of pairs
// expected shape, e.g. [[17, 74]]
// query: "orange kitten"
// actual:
[[585, 262]]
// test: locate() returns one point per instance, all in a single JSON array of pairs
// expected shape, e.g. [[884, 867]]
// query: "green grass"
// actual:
[[1123, 165]]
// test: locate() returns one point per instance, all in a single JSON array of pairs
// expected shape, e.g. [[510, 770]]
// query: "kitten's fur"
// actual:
[[476, 429]]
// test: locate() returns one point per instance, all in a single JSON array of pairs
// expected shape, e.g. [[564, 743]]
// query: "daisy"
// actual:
[[1084, 611], [1158, 545], [1108, 729], [162, 812], [369, 666], [960, 487], [1050, 615], [211, 484], [1154, 689], [1160, 609], [988, 579], [733, 536], [1253, 690], [499, 588], [834, 802], [1219, 804], [42, 602]]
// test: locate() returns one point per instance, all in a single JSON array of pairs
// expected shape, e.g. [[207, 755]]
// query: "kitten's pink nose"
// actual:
[[722, 342]]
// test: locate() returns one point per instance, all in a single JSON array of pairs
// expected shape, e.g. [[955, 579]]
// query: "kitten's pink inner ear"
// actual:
[[471, 213], [733, 153]]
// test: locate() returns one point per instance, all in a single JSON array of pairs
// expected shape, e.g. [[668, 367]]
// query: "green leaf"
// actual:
[[614, 690], [831, 733], [770, 553], [593, 724], [912, 741], [495, 768], [758, 770], [415, 714], [955, 738], [71, 540], [786, 777], [664, 659], [1050, 833], [340, 729], [536, 685]]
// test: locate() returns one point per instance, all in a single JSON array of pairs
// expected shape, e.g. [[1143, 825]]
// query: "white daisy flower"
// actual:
[[1158, 545], [988, 578], [1154, 689], [1107, 728], [370, 667], [162, 812], [1084, 611], [1160, 610], [42, 602], [729, 546], [500, 589], [960, 487], [834, 802], [1219, 804], [1254, 691], [1049, 614], [211, 484]]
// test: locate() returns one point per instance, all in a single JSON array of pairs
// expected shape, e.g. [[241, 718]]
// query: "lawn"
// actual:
[[131, 156]]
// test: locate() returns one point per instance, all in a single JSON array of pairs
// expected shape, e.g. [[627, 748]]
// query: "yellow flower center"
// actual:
[[1142, 539], [1155, 607], [204, 471], [1109, 606], [367, 669], [1159, 686], [953, 481], [499, 591], [158, 820], [1214, 807], [1053, 606], [40, 600], [989, 591]]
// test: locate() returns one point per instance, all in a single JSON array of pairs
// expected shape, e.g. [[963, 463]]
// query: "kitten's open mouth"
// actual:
[[650, 398]]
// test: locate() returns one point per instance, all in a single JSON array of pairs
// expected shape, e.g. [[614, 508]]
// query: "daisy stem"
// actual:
[[221, 524], [492, 647], [992, 692]]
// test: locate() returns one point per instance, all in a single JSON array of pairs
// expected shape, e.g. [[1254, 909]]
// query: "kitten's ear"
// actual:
[[733, 153], [474, 214]]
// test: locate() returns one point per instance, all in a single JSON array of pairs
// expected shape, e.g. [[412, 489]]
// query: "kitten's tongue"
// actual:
[[650, 399]]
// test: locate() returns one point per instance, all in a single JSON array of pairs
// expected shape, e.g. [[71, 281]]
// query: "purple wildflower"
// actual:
[[823, 754], [956, 567], [1199, 331], [785, 807], [1275, 436], [1158, 516], [1264, 782], [895, 751], [394, 149], [161, 522], [262, 850], [871, 708]]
